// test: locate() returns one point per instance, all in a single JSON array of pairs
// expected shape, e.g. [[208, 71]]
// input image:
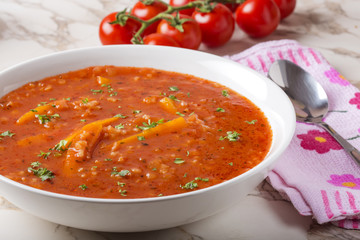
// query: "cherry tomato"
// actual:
[[216, 26], [258, 18], [160, 39], [116, 34], [189, 38], [146, 12], [286, 7], [179, 3]]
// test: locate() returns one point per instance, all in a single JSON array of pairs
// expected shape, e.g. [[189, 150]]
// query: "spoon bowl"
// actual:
[[308, 98], [307, 95]]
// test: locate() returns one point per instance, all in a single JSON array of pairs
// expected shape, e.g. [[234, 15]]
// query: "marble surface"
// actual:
[[31, 28]]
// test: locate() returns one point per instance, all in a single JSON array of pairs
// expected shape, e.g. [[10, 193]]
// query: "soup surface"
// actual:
[[125, 132]]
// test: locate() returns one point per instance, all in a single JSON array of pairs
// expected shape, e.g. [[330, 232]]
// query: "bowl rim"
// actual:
[[215, 187]]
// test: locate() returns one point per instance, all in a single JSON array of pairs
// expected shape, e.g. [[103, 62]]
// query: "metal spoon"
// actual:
[[308, 97]]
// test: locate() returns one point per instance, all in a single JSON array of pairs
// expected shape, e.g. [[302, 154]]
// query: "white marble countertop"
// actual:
[[31, 28]]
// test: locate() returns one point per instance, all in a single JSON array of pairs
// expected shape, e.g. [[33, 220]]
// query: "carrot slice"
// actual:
[[89, 126], [32, 140], [168, 105], [164, 128], [31, 114], [101, 80], [82, 147], [83, 142]]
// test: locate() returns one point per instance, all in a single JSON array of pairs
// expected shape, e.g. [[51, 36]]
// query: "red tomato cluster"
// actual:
[[257, 18]]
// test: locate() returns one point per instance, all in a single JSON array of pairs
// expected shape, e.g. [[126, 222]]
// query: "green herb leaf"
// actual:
[[43, 173], [6, 134], [180, 114], [141, 138], [46, 118], [220, 110], [150, 124], [121, 184], [62, 146], [173, 97], [120, 116], [120, 126], [122, 173], [202, 179], [231, 136], [251, 122], [35, 164], [225, 93], [83, 187], [174, 89], [44, 155], [190, 185], [179, 161], [96, 91], [122, 192]]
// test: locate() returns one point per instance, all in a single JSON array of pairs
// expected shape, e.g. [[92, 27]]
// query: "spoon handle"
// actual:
[[353, 152]]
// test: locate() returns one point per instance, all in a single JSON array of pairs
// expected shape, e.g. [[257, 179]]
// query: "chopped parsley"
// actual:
[[46, 118], [110, 90], [174, 89], [122, 173], [220, 110], [120, 116], [43, 173], [202, 179], [231, 163], [251, 122], [225, 93], [121, 184], [6, 134], [44, 155], [141, 138], [122, 192], [150, 124], [179, 161], [231, 136], [85, 100], [62, 146], [35, 164], [96, 91], [173, 97], [193, 184], [108, 159], [190, 185], [136, 111], [120, 126], [83, 187], [180, 114]]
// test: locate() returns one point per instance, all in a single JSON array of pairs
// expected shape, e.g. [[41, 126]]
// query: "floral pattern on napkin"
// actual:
[[315, 173]]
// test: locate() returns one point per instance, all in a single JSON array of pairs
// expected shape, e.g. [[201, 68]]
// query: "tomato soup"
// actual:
[[126, 132]]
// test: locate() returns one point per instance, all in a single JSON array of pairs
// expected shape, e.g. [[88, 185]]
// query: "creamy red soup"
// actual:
[[126, 132]]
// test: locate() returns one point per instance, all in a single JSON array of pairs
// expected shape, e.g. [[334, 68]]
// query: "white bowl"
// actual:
[[125, 215]]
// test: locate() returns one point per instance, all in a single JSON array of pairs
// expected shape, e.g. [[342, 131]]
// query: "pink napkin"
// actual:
[[315, 173]]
